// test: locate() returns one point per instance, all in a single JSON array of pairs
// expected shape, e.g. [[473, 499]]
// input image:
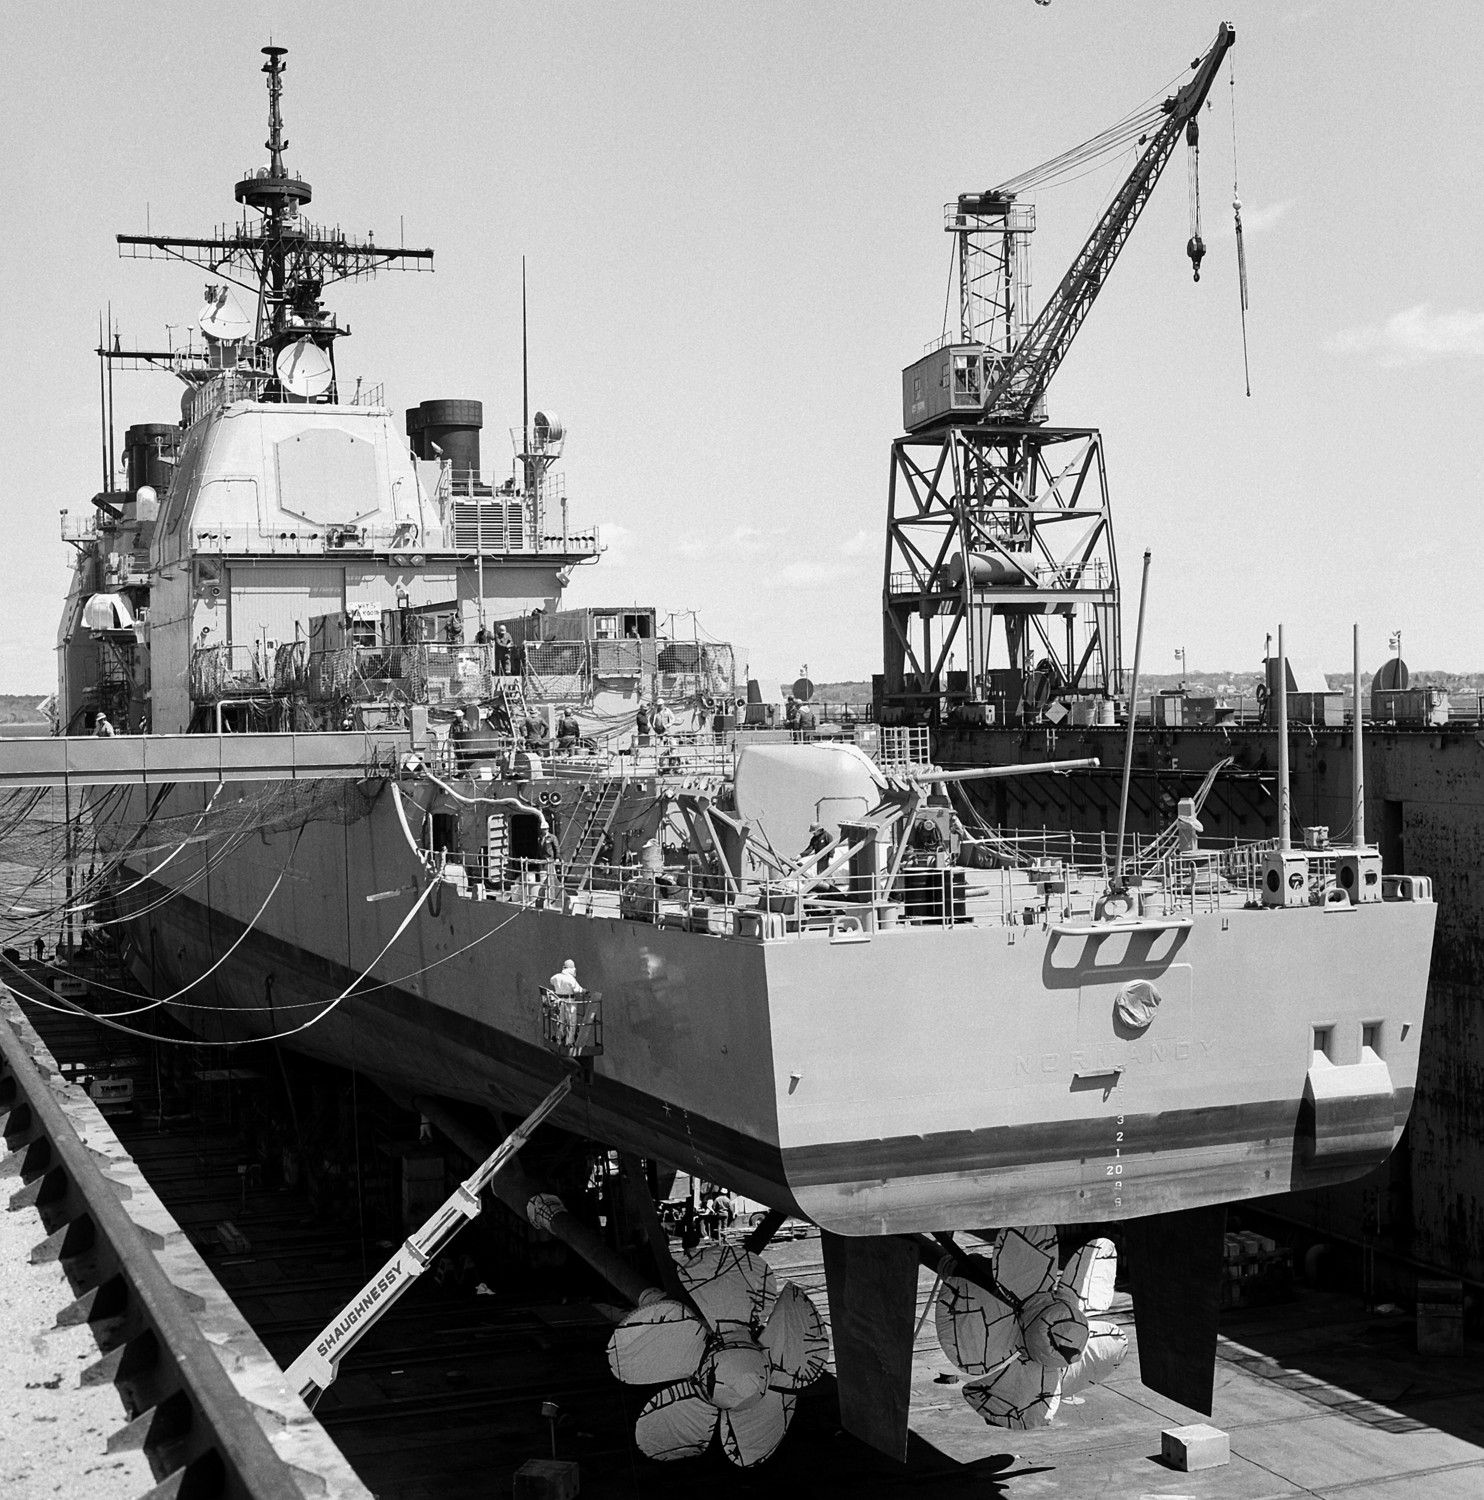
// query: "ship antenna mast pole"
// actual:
[[275, 144], [1285, 812], [1116, 884], [103, 404], [525, 394], [1358, 779]]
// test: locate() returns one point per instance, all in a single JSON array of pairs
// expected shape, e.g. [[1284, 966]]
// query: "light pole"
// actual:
[[1180, 656]]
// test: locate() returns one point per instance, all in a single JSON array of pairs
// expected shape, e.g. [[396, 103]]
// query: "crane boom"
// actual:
[[316, 1368], [1021, 383]]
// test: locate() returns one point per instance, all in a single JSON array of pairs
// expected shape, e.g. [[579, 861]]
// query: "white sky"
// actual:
[[732, 215]]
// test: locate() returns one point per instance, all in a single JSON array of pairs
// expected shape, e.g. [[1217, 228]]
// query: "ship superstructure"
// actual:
[[800, 967]]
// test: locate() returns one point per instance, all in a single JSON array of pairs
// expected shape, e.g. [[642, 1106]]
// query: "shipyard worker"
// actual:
[[564, 982], [641, 723], [504, 651], [808, 722], [535, 730], [460, 732], [662, 719], [102, 728], [454, 631], [481, 637], [568, 730], [819, 841], [690, 1229]]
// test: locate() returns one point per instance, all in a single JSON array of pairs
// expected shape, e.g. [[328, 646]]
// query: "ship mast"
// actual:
[[278, 197], [286, 262]]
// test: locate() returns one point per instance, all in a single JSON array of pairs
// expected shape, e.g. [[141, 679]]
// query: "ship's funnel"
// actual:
[[448, 430], [149, 454]]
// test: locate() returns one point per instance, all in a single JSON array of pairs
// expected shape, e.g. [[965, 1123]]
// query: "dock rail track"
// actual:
[[210, 1409]]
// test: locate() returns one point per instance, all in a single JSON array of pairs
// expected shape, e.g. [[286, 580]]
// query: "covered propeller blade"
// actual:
[[661, 1342], [729, 1285], [976, 1330], [1020, 1394], [795, 1340], [751, 1435], [1091, 1273], [675, 1423], [1025, 1261], [1107, 1347]]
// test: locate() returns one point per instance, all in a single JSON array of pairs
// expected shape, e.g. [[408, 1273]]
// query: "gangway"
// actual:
[[155, 759]]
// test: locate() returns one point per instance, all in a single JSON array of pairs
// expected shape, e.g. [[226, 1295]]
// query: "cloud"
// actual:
[[749, 539], [1255, 221], [1260, 220], [862, 544], [617, 542], [1414, 335], [805, 574]]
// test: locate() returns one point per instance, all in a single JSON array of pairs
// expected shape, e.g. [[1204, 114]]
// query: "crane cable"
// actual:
[[1195, 246], [1241, 247]]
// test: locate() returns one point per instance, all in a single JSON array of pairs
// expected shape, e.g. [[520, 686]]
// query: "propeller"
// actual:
[[733, 1372], [1032, 1341]]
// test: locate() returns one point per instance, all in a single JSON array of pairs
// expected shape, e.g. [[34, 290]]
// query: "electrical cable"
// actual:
[[173, 999], [69, 1009]]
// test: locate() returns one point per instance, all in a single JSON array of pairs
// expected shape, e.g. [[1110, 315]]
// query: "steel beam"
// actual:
[[157, 759]]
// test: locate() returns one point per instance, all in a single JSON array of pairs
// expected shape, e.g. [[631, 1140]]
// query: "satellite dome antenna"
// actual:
[[221, 317], [304, 369]]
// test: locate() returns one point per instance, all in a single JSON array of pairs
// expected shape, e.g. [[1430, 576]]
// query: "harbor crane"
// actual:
[[1000, 594], [1018, 387]]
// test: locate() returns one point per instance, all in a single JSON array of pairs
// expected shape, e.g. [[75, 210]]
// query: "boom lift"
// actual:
[[316, 1368], [993, 514]]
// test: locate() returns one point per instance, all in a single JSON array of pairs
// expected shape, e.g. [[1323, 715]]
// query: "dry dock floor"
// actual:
[[442, 1402]]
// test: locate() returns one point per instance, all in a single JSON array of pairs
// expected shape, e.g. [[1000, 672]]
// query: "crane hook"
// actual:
[[1195, 248]]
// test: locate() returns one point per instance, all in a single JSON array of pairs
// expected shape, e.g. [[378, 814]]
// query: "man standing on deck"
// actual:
[[504, 646]]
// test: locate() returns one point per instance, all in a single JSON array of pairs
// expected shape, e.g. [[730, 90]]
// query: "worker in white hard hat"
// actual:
[[564, 981], [102, 728], [571, 1014]]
